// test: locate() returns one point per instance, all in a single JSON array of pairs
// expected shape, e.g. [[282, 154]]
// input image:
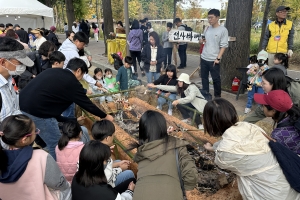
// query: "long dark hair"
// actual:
[[91, 167], [155, 37], [284, 59], [180, 90], [135, 24], [218, 115], [13, 128], [275, 77], [172, 68], [70, 130]]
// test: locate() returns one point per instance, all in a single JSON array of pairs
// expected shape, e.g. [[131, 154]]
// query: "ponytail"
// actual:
[[70, 130], [283, 58]]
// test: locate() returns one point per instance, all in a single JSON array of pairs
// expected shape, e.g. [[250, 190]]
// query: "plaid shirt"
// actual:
[[10, 100]]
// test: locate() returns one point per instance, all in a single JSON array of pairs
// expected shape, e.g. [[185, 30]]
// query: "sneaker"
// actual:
[[200, 127], [158, 107], [247, 110], [180, 67], [187, 121], [170, 112]]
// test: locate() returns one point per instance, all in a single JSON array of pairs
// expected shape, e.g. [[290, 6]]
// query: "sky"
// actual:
[[211, 4]]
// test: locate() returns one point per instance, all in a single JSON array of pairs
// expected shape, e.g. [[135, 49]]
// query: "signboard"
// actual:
[[184, 36]]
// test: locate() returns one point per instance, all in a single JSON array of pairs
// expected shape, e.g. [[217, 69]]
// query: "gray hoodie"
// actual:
[[165, 39]]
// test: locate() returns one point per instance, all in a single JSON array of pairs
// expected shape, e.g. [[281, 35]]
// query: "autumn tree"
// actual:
[[152, 10], [194, 12], [179, 12], [238, 23], [135, 9], [295, 9]]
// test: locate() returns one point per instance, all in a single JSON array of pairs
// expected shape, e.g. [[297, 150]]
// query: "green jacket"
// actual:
[[157, 176]]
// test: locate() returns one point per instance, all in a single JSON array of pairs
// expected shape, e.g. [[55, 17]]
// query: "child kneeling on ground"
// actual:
[[98, 76], [117, 173], [124, 76]]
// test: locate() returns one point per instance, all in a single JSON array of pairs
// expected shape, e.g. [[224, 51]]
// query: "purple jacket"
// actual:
[[135, 39], [287, 135]]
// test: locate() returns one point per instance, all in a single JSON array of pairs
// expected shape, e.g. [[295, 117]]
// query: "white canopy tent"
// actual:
[[26, 13]]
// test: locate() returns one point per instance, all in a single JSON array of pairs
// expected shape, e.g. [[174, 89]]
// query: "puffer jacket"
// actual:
[[157, 176], [68, 157]]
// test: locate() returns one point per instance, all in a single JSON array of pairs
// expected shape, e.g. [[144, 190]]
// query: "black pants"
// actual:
[[136, 55], [122, 187], [182, 54], [187, 113], [168, 56], [206, 67]]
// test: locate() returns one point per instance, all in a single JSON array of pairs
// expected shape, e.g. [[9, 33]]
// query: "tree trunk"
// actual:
[[264, 25], [108, 20], [238, 23], [70, 13]]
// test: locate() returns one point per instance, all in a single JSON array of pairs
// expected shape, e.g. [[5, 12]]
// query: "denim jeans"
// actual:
[[161, 101], [186, 113], [70, 111], [49, 131], [123, 176], [85, 137], [182, 55], [168, 56], [151, 75], [255, 89], [108, 98], [206, 67]]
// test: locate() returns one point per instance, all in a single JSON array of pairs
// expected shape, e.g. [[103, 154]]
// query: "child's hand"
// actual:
[[151, 85], [208, 146], [131, 186], [118, 82], [81, 118], [88, 92], [124, 164]]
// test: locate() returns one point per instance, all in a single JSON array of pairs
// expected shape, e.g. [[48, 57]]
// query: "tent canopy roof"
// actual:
[[21, 7]]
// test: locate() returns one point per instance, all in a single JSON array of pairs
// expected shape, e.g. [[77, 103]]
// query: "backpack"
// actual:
[[117, 61], [187, 28], [293, 88]]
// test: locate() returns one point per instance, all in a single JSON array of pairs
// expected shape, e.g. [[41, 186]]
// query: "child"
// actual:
[[168, 46], [95, 30], [116, 171], [90, 181], [98, 75], [254, 78], [110, 81], [281, 61], [68, 149], [252, 61], [124, 75], [26, 173], [57, 59]]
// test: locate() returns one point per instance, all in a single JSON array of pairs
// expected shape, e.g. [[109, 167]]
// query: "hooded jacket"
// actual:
[[135, 39], [245, 151], [157, 176]]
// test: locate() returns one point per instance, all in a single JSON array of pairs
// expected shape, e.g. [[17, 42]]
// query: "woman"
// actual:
[[272, 79], [75, 27], [90, 181], [135, 41], [170, 78], [12, 34], [157, 176], [190, 97], [96, 31], [153, 56], [245, 151], [39, 35], [278, 105], [32, 173]]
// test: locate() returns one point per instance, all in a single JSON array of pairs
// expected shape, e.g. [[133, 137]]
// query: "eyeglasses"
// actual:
[[37, 131]]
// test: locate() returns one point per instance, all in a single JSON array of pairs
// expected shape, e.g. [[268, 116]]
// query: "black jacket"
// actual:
[[52, 37], [52, 92], [146, 57], [23, 35], [164, 80]]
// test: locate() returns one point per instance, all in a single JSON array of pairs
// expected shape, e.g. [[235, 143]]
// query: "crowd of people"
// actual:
[[42, 79]]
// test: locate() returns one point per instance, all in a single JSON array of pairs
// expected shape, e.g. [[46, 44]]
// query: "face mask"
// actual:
[[20, 69], [109, 76]]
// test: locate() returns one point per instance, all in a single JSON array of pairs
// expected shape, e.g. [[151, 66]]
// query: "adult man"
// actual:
[[52, 92], [181, 45], [23, 35], [13, 61], [216, 41], [52, 37], [279, 36]]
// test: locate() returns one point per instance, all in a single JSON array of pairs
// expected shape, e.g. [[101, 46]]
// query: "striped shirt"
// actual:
[[10, 100]]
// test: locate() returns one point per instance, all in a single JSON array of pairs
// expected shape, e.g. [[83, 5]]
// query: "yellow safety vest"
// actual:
[[279, 37]]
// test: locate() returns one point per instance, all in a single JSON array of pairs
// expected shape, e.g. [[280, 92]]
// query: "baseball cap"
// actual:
[[262, 55], [280, 8], [17, 25], [52, 28], [277, 99]]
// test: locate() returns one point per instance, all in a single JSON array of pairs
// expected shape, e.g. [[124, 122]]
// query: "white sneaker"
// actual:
[[159, 108], [170, 112], [247, 110], [187, 121], [201, 127]]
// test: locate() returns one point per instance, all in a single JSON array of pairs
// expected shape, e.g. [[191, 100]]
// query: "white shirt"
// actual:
[[37, 43]]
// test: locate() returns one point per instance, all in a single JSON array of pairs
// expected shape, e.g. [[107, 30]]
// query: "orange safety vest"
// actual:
[[279, 37]]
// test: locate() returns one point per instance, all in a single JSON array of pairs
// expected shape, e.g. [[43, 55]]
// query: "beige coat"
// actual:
[[157, 176], [192, 94]]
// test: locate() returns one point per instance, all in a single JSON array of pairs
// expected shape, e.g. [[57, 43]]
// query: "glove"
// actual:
[[290, 53]]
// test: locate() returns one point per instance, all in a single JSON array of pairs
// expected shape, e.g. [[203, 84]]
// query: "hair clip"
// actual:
[[1, 133]]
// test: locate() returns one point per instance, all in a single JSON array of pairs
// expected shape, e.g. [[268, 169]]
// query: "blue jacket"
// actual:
[[122, 77]]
